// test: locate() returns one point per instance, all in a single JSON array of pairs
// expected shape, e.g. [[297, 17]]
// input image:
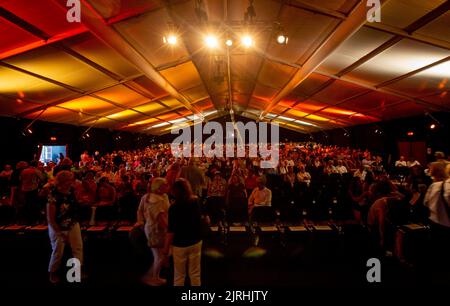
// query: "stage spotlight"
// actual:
[[170, 39], [432, 126], [211, 41], [247, 41], [410, 133], [282, 39], [229, 42]]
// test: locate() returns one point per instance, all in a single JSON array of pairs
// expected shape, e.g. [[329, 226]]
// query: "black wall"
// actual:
[[366, 137]]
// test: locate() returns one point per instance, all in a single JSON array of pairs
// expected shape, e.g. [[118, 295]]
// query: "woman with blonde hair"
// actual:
[[63, 226], [152, 216]]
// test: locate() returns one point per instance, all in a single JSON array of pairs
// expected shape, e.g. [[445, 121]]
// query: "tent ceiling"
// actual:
[[337, 69]]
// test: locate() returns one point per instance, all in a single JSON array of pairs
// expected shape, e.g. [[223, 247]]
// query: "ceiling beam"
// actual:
[[345, 29], [414, 36], [95, 23], [414, 72]]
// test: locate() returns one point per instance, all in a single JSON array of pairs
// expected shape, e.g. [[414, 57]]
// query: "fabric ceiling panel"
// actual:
[[265, 9], [310, 106], [52, 20], [171, 102], [359, 44], [60, 115], [429, 81], [343, 6], [275, 75], [245, 67], [401, 13], [265, 93], [438, 28], [204, 104], [122, 95], [182, 76], [403, 110], [104, 123], [339, 91], [111, 8], [11, 107], [148, 86], [58, 65], [24, 86], [127, 115], [403, 57], [257, 104], [90, 105], [295, 113], [100, 53], [311, 84], [146, 33], [150, 108], [371, 101], [195, 93], [13, 37], [298, 25]]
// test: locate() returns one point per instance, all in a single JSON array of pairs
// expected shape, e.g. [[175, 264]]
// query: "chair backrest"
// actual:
[[263, 214]]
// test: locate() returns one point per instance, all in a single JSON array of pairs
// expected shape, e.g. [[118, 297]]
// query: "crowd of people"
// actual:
[[171, 198]]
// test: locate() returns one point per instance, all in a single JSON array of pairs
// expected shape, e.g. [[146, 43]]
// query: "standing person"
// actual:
[[437, 199], [194, 176], [236, 200], [152, 215], [29, 182], [185, 234], [63, 226], [217, 190]]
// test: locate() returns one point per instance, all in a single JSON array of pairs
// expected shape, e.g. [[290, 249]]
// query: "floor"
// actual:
[[307, 259]]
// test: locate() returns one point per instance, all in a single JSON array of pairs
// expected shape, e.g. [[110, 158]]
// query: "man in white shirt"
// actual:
[[340, 168], [261, 196], [401, 162]]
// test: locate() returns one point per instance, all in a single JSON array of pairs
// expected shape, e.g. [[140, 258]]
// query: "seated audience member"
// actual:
[[261, 196], [106, 194], [86, 191], [412, 162], [340, 168], [401, 163], [152, 215], [303, 176]]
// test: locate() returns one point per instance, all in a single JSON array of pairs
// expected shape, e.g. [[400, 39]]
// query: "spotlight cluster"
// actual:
[[213, 41]]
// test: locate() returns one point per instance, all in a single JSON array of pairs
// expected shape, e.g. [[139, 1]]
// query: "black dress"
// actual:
[[237, 203]]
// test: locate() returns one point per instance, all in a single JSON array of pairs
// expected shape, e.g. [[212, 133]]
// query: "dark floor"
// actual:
[[311, 259]]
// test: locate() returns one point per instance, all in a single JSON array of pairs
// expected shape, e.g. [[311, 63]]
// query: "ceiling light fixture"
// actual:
[[170, 39], [247, 41], [211, 41]]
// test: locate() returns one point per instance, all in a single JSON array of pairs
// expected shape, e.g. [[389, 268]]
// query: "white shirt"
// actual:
[[341, 169], [412, 164], [400, 163], [261, 197], [435, 204]]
